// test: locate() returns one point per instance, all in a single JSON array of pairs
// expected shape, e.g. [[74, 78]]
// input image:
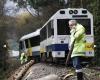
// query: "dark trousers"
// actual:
[[77, 62], [78, 67]]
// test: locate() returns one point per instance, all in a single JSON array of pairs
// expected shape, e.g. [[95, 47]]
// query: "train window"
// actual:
[[35, 41], [21, 45], [47, 29], [26, 43], [50, 29], [43, 33], [62, 27], [86, 23]]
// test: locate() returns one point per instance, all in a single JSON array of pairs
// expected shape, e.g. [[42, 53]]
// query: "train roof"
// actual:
[[36, 33], [65, 12]]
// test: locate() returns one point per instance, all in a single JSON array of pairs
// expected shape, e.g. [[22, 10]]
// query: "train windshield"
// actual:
[[63, 29], [21, 45]]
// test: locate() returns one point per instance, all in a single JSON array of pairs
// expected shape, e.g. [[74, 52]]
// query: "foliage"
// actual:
[[44, 3], [6, 29], [25, 23], [3, 36]]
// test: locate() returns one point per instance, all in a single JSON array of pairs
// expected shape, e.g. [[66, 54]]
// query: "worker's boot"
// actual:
[[80, 76]]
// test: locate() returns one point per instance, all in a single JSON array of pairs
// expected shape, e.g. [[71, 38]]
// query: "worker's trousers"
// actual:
[[78, 67]]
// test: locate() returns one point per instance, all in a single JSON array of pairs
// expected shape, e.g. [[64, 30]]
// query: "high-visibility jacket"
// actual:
[[23, 58], [79, 35]]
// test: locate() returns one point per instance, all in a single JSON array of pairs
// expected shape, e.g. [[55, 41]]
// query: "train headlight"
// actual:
[[75, 11], [95, 46], [71, 11]]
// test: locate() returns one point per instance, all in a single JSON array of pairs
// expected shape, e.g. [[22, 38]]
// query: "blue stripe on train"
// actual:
[[57, 47]]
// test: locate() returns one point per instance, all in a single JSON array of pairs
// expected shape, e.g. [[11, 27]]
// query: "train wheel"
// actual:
[[37, 59], [50, 57], [54, 60], [43, 57]]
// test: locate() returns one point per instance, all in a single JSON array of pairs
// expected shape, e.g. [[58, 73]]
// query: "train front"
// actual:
[[62, 31]]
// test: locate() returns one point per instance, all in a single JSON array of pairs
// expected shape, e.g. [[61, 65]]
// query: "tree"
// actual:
[[94, 8], [3, 36]]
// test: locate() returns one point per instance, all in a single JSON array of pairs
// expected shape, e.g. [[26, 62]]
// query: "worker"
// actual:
[[78, 37], [23, 58]]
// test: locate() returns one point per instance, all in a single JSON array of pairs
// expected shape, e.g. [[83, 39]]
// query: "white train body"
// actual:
[[30, 44], [55, 34], [52, 40]]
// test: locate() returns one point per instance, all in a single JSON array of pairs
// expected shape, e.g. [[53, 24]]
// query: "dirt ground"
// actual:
[[41, 70]]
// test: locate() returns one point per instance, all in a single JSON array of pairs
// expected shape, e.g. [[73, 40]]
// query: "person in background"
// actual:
[[23, 58], [78, 37]]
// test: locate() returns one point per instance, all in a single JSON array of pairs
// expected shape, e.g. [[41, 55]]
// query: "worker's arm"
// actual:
[[79, 32]]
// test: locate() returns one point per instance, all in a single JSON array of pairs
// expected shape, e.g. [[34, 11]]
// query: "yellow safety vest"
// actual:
[[23, 58]]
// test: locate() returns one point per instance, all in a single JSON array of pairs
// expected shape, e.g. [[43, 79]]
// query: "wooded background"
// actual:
[[17, 26]]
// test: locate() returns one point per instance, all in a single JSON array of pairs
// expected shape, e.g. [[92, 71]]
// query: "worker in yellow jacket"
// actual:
[[23, 58], [77, 34]]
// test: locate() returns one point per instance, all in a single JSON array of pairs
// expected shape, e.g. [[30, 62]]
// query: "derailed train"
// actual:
[[51, 42]]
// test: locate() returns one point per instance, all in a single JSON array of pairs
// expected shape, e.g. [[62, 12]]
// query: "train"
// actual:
[[52, 43], [30, 45]]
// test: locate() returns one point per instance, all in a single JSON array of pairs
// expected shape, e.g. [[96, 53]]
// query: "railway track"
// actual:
[[39, 70], [20, 72]]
